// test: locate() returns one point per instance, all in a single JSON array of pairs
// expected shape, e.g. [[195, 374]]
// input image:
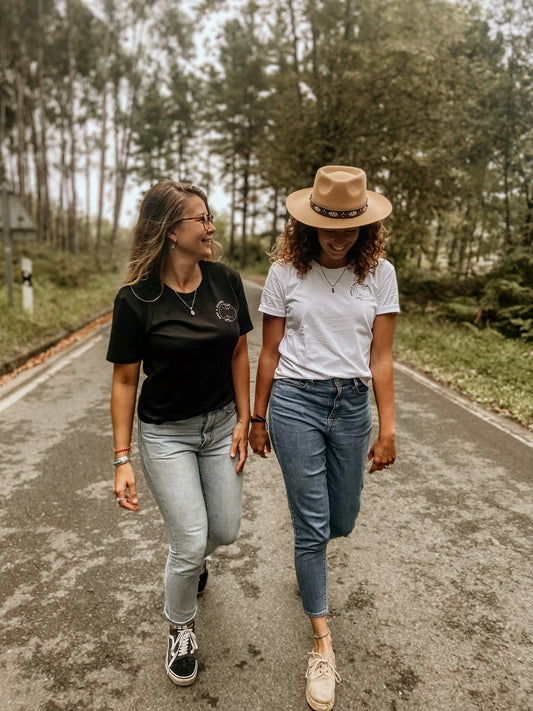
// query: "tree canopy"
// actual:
[[434, 99]]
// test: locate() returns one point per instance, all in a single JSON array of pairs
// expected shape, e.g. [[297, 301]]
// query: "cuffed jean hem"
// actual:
[[180, 624], [315, 614]]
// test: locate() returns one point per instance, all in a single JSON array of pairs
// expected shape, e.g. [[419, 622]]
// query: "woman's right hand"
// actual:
[[125, 490], [259, 439]]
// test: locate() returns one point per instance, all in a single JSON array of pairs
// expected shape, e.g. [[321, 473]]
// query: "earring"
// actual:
[[173, 247]]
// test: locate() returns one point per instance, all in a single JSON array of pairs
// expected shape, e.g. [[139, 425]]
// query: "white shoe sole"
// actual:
[[183, 680], [317, 705]]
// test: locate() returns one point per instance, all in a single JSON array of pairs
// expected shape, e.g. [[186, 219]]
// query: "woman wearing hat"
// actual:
[[329, 307]]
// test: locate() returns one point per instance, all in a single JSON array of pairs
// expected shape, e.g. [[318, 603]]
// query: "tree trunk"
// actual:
[[311, 9], [43, 216], [245, 191], [3, 108], [21, 127], [103, 147], [72, 212], [60, 219], [274, 230], [295, 55], [101, 178], [123, 141], [233, 207]]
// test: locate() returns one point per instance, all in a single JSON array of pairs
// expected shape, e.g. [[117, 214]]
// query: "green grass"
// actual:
[[495, 371], [67, 291]]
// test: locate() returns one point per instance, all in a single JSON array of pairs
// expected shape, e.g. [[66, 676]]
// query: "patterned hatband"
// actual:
[[341, 214]]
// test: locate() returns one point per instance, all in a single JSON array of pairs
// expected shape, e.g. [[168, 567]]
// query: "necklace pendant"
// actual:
[[332, 290], [193, 312]]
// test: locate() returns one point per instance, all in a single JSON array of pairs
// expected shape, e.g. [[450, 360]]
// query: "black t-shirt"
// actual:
[[186, 359]]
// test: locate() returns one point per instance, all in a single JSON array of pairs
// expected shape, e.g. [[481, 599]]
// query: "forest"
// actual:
[[433, 98]]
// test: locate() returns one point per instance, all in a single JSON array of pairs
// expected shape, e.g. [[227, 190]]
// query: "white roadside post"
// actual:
[[27, 289], [15, 225]]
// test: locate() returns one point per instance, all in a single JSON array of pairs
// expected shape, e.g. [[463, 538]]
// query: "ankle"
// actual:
[[323, 644], [187, 626]]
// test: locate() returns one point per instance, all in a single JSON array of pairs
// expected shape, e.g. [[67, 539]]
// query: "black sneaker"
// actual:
[[202, 578], [181, 663]]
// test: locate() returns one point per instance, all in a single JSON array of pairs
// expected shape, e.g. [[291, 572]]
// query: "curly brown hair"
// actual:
[[299, 244]]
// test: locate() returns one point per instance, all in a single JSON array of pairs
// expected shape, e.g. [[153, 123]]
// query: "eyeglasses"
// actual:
[[206, 220]]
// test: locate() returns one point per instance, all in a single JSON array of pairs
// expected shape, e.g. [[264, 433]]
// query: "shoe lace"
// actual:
[[321, 666], [184, 643]]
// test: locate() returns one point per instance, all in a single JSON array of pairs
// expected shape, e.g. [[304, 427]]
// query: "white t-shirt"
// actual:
[[327, 334]]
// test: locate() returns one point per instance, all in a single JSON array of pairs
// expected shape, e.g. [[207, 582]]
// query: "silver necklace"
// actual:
[[328, 281], [191, 307]]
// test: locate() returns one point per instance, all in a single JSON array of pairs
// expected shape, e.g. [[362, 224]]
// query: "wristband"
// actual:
[[257, 418], [122, 449], [121, 460]]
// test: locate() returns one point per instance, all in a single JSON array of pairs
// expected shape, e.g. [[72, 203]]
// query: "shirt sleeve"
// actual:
[[127, 331], [273, 300], [388, 300], [245, 322]]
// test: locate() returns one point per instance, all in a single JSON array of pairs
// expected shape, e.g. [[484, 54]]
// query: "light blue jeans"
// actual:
[[320, 432], [192, 477]]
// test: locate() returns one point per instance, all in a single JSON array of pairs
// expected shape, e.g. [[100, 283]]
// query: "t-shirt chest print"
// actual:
[[226, 312], [361, 292]]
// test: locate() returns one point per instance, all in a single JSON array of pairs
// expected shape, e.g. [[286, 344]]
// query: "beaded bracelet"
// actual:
[[122, 449]]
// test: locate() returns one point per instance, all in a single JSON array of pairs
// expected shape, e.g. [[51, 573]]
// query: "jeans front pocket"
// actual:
[[359, 386], [299, 383]]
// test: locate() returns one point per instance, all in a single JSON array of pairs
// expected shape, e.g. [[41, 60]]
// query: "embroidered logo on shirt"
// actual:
[[360, 291], [226, 311]]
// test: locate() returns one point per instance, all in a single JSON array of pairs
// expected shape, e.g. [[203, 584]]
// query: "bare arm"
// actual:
[[383, 451], [123, 397], [273, 330], [240, 368]]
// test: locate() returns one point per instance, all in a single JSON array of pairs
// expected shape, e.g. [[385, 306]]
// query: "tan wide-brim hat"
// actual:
[[338, 200]]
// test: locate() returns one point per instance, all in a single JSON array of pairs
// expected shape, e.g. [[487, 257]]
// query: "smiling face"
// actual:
[[193, 239], [335, 245]]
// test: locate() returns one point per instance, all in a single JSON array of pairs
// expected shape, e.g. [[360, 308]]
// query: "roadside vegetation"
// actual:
[[484, 365], [67, 292]]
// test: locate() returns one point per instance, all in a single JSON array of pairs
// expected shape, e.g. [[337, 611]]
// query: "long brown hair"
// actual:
[[299, 244], [162, 207]]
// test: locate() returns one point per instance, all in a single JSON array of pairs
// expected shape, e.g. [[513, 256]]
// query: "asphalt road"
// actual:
[[430, 596]]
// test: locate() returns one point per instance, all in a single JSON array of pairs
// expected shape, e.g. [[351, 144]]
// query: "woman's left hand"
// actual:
[[240, 445], [382, 453]]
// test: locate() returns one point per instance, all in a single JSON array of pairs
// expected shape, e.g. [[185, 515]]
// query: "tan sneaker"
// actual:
[[321, 676]]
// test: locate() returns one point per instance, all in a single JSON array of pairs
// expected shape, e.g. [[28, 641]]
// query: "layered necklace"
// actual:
[[328, 281]]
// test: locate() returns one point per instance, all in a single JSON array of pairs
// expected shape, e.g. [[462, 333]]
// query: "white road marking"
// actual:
[[502, 424], [48, 373]]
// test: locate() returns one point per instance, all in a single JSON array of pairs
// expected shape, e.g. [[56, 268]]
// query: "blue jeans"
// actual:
[[320, 432], [192, 477]]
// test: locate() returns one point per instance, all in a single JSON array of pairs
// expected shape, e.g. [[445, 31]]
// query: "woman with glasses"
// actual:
[[182, 316]]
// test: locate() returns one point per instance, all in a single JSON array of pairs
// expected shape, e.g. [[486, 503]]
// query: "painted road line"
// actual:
[[48, 373], [507, 426]]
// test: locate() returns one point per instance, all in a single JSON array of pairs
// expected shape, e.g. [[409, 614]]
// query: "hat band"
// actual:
[[337, 214]]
